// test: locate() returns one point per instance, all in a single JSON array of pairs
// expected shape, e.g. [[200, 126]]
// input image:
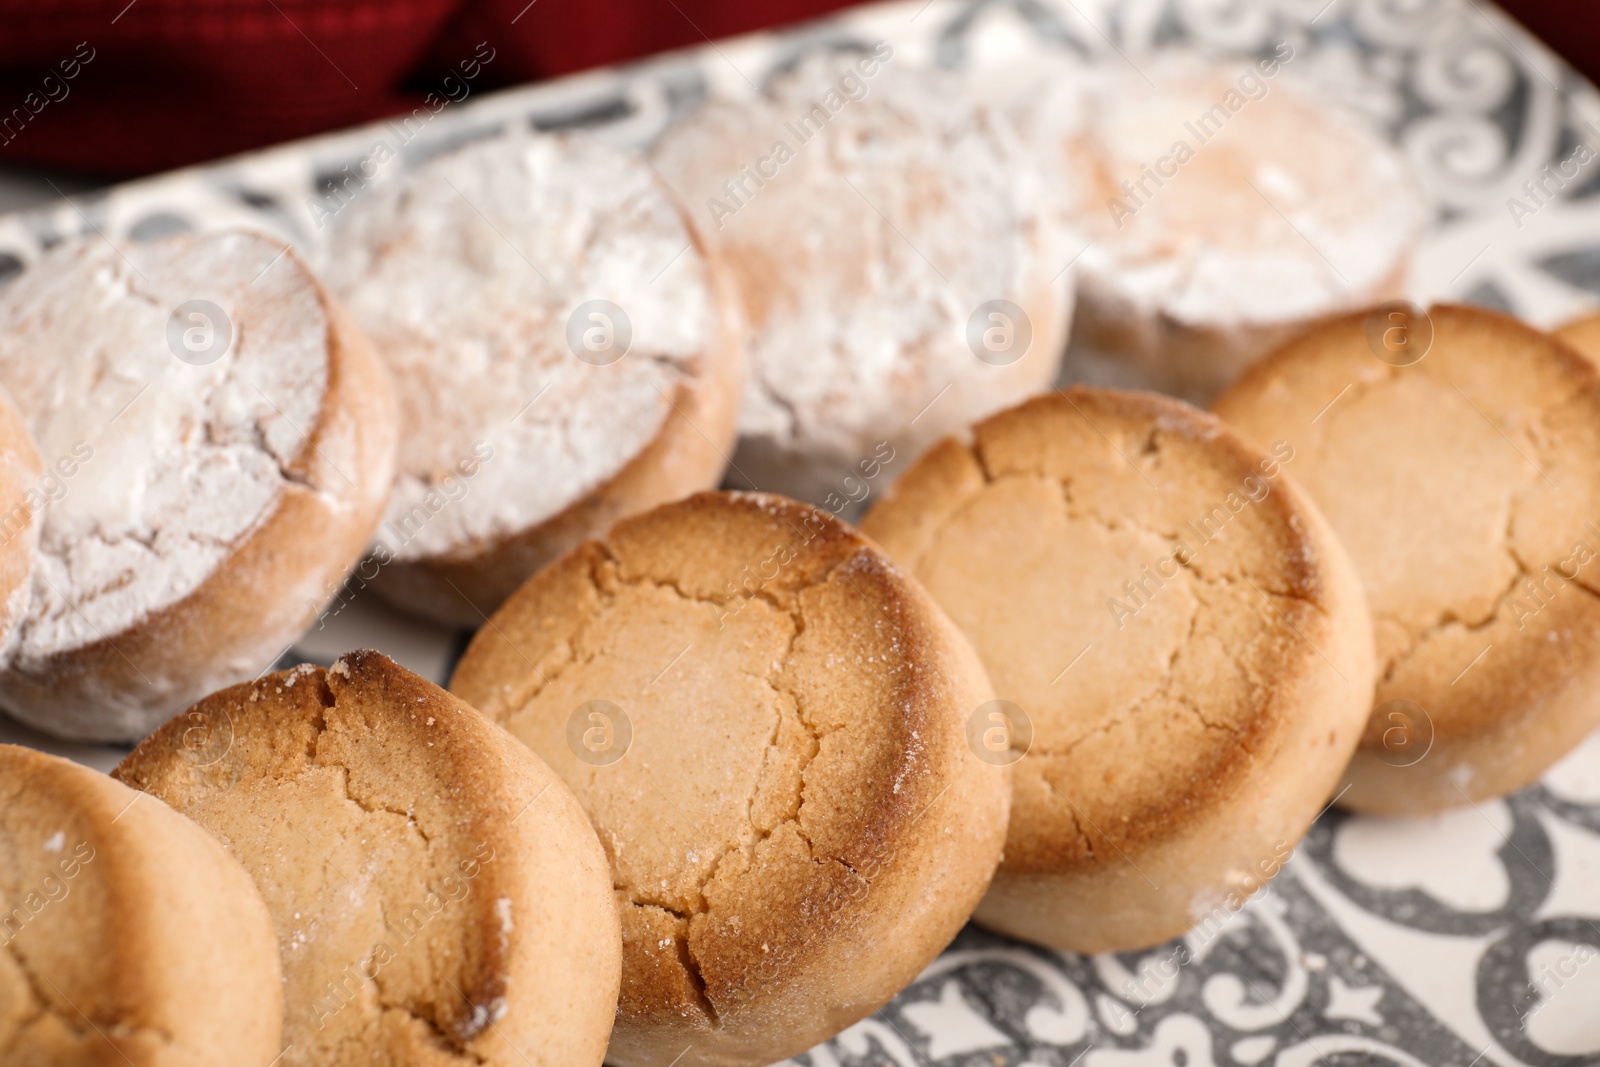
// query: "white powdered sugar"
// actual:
[[869, 216], [16, 604], [172, 463], [1246, 201], [466, 275]]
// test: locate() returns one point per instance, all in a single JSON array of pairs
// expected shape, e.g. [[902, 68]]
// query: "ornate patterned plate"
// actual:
[[1468, 938]]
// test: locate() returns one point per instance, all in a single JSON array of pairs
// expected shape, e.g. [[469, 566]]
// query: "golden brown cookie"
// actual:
[[438, 894], [1185, 640], [24, 490], [765, 720], [128, 936], [224, 440], [1461, 468]]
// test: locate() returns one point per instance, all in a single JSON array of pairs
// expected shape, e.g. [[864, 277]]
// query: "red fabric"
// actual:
[[170, 82], [1570, 27], [554, 37], [176, 81]]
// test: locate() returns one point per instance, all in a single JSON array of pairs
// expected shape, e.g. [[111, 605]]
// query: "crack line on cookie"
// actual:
[[790, 603], [75, 1021]]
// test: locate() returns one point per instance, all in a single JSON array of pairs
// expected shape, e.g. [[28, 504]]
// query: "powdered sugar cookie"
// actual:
[[127, 934], [225, 439], [563, 351], [438, 894], [24, 491], [897, 276], [1222, 209], [766, 722]]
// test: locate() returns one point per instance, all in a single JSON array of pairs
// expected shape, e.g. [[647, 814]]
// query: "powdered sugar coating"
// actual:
[[184, 460], [16, 601], [465, 275], [1282, 208], [872, 236]]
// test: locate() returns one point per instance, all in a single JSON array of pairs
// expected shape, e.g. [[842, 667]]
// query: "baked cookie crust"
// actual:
[[1466, 486], [438, 895], [797, 826], [1179, 626]]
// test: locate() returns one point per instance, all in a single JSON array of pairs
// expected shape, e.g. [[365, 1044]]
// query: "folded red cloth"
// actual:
[[119, 87]]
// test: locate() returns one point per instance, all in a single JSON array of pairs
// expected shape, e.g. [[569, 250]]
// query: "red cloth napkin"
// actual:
[[120, 88]]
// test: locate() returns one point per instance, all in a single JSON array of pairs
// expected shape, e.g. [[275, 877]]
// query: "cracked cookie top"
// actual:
[[1143, 585], [540, 302], [795, 708], [421, 867], [1466, 487], [174, 428], [118, 917]]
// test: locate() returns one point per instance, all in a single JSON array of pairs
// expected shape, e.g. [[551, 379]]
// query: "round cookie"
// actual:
[[23, 493], [898, 278], [765, 721], [1466, 486], [224, 441], [128, 936], [1185, 640], [1221, 211], [565, 351], [438, 894]]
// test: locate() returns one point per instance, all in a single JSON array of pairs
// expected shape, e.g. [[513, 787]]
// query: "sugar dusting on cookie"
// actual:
[[864, 261], [175, 460], [475, 277]]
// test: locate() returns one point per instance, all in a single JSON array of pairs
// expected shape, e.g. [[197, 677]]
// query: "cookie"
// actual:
[[222, 440], [24, 489], [1460, 465], [128, 936], [1180, 647], [1221, 209], [765, 721], [565, 349], [438, 895], [898, 278]]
